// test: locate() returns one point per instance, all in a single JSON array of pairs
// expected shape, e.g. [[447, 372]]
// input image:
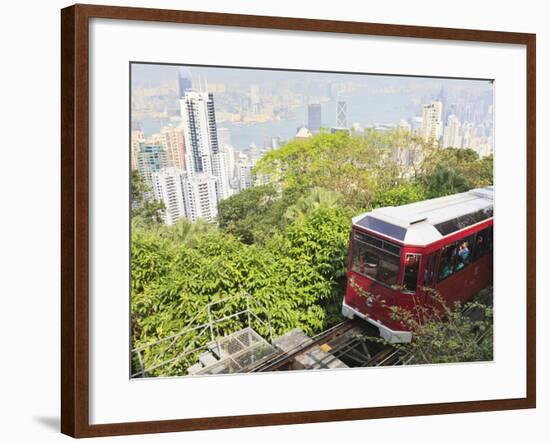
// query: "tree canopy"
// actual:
[[284, 242]]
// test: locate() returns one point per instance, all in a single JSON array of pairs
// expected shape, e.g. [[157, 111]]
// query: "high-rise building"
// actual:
[[224, 136], [184, 85], [172, 139], [200, 197], [137, 136], [168, 187], [431, 121], [202, 153], [254, 98], [244, 175], [341, 114], [151, 158], [416, 126], [229, 154], [314, 117], [451, 135]]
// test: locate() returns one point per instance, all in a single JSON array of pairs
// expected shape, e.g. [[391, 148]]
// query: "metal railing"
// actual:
[[196, 331]]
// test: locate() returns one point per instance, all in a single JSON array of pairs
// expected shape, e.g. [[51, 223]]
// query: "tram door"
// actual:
[[428, 281]]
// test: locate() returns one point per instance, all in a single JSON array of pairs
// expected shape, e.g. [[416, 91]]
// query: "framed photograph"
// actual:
[[272, 220]]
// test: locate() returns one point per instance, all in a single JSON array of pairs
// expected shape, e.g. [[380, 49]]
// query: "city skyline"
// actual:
[[371, 99], [188, 128]]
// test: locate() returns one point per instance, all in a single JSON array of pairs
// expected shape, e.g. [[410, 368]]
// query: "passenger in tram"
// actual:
[[463, 255]]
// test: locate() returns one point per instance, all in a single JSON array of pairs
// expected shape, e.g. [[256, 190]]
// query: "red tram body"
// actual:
[[396, 253]]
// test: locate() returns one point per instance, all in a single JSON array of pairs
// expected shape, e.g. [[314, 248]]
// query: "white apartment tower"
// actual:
[[200, 197], [431, 121], [168, 186], [202, 152], [451, 135], [185, 197]]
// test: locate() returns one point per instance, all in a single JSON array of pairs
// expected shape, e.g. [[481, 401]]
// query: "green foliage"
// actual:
[[462, 164], [316, 197], [404, 193], [442, 333], [447, 334], [254, 214], [146, 210], [285, 243], [356, 167], [294, 277], [443, 182]]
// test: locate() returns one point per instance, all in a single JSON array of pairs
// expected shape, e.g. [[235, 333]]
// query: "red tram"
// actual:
[[396, 253]]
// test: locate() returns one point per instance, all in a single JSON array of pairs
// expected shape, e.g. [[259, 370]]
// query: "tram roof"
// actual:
[[425, 222]]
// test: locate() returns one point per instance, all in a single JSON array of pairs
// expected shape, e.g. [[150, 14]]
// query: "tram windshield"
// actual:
[[375, 258]]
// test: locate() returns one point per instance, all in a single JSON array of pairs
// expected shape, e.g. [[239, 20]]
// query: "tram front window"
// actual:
[[375, 262]]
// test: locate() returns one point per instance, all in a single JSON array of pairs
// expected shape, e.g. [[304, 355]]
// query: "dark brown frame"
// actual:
[[74, 219]]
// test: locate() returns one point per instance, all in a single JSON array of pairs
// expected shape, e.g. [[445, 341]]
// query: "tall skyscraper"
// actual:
[[184, 85], [431, 121], [229, 154], [341, 114], [151, 158], [168, 187], [314, 121], [202, 153], [452, 136]]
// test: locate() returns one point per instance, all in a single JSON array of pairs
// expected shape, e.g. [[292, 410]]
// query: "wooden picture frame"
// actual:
[[75, 379]]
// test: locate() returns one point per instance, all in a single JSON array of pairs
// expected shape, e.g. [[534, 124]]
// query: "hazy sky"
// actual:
[[371, 99], [151, 75]]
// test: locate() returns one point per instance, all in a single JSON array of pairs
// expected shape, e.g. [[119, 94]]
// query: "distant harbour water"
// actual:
[[365, 109]]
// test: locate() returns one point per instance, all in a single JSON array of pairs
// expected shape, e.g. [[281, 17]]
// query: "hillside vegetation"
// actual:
[[284, 242]]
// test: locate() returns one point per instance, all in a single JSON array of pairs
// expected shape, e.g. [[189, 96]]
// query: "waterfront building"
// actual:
[[314, 117], [341, 114]]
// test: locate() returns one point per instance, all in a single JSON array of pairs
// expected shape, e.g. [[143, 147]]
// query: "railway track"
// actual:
[[346, 341]]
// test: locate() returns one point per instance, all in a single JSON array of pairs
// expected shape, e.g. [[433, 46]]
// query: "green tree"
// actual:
[[447, 334], [148, 210], [357, 167], [443, 182], [475, 171], [404, 193], [315, 198], [296, 277], [442, 333]]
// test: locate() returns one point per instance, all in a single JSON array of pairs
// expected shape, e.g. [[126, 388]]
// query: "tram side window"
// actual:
[[410, 277], [429, 271], [464, 252], [446, 263], [483, 243]]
